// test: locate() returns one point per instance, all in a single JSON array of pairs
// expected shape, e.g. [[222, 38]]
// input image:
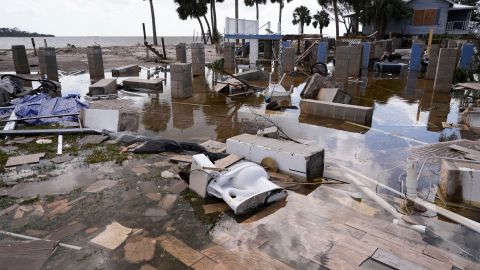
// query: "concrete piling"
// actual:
[[181, 52], [447, 64], [322, 55], [181, 80], [20, 59], [229, 57], [432, 62], [466, 56], [416, 56], [47, 60], [198, 59], [366, 54], [348, 61], [95, 63], [267, 49], [288, 60]]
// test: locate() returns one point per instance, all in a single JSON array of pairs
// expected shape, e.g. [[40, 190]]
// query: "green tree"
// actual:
[[321, 20], [301, 15], [378, 12], [213, 19], [332, 4], [256, 3], [192, 9], [281, 4]]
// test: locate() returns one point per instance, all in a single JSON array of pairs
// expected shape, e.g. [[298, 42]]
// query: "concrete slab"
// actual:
[[346, 112], [126, 71], [153, 84], [300, 160], [103, 87]]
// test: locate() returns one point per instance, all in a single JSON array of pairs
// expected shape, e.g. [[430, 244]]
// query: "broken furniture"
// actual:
[[243, 186], [305, 161]]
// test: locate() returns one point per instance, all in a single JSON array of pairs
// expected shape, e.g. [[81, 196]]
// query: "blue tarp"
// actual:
[[42, 105]]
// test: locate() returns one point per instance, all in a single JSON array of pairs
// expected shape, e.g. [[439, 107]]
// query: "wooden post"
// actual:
[[164, 51], [430, 40], [34, 48], [45, 42], [144, 34]]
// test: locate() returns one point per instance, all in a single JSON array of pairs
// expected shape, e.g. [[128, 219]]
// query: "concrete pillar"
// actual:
[[466, 56], [253, 56], [389, 44], [198, 59], [47, 62], [267, 49], [288, 60], [416, 56], [229, 57], [342, 57], [95, 63], [181, 80], [432, 62], [322, 55], [447, 64], [20, 59], [452, 44], [355, 64], [378, 52], [396, 43], [181, 52]]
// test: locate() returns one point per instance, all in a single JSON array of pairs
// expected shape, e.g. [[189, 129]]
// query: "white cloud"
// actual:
[[124, 17]]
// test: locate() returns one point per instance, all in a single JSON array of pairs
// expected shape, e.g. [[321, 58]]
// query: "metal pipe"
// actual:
[[49, 131], [26, 237], [39, 117], [473, 225]]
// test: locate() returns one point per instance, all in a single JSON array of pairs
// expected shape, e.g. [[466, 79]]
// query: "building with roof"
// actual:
[[443, 16]]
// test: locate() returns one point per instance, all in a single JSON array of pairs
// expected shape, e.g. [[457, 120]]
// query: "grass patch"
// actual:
[[30, 201], [3, 161], [6, 202], [109, 153], [50, 150]]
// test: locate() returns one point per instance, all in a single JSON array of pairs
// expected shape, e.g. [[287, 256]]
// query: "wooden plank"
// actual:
[[395, 262], [204, 264], [215, 208], [450, 258], [179, 249], [464, 149], [244, 258], [227, 161], [177, 157]]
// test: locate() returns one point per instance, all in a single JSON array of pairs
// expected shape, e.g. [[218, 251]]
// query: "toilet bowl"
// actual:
[[245, 186]]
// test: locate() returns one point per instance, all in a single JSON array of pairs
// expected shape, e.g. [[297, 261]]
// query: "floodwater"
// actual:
[[407, 113]]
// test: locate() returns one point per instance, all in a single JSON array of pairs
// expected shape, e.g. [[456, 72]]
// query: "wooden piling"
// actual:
[[34, 48], [164, 51]]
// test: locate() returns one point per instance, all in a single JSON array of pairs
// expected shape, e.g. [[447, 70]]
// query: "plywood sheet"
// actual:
[[179, 249], [215, 208], [227, 161]]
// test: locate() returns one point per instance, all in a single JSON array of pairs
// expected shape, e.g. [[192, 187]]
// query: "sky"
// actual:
[[124, 17]]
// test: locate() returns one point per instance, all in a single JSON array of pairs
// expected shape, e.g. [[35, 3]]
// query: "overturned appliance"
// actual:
[[243, 186]]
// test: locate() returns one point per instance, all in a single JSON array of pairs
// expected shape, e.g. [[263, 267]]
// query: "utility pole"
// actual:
[[152, 11], [236, 18]]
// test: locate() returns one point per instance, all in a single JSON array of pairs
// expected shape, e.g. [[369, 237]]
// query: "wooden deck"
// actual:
[[324, 230]]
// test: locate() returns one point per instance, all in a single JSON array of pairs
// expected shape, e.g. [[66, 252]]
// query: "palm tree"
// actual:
[[334, 4], [192, 9], [322, 20], [281, 4], [301, 15], [377, 12], [152, 11], [213, 18], [251, 3]]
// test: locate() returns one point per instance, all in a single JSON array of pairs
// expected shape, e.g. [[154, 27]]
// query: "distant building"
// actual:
[[443, 16]]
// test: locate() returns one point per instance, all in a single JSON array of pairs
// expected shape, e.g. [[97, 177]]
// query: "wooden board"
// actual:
[[464, 149], [179, 250], [177, 157], [450, 258], [204, 264], [243, 258], [395, 262], [227, 161], [216, 208]]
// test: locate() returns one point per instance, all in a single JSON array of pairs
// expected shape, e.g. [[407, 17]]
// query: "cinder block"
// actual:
[[198, 59], [95, 63], [346, 112], [126, 71], [153, 84], [306, 161], [229, 56], [20, 59], [181, 80], [181, 52], [103, 87], [447, 64], [47, 63], [288, 59]]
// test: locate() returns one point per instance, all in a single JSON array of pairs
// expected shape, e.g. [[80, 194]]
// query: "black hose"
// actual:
[[43, 83]]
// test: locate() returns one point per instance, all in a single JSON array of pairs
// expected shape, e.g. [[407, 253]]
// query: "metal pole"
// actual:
[[39, 117]]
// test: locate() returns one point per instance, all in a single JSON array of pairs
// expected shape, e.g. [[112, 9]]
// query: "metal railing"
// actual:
[[458, 26]]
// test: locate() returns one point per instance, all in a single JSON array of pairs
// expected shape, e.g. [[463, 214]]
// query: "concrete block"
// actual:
[[229, 63], [252, 75], [460, 182], [181, 80], [346, 112], [447, 64], [313, 85], [389, 45], [355, 61], [267, 49], [47, 63], [432, 61], [103, 87], [452, 44], [334, 95], [20, 59], [126, 71], [95, 63], [306, 161], [288, 60], [152, 84], [181, 52], [198, 59]]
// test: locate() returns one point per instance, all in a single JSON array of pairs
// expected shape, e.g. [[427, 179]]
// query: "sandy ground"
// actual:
[[72, 60]]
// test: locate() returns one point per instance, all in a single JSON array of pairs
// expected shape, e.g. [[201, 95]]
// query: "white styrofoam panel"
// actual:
[[101, 119]]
